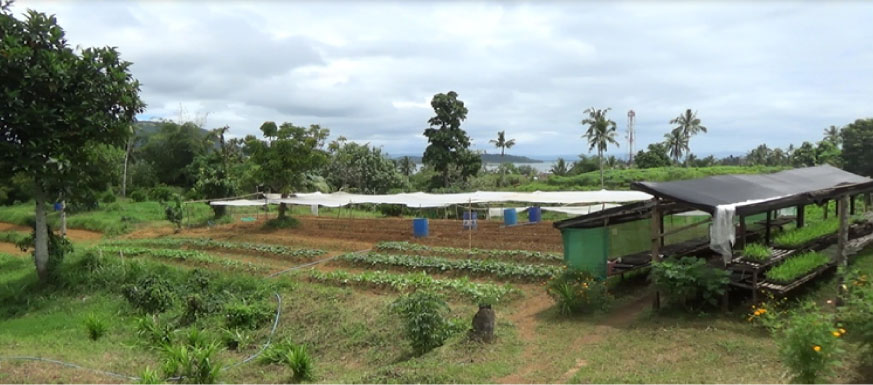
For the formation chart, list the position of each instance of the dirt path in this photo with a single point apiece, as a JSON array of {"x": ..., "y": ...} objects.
[
  {"x": 76, "y": 235},
  {"x": 526, "y": 322}
]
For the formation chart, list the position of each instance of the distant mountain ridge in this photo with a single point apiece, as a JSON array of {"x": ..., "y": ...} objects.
[{"x": 486, "y": 158}]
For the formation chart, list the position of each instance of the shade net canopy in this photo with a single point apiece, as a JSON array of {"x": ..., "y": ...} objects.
[
  {"x": 425, "y": 200},
  {"x": 737, "y": 190}
]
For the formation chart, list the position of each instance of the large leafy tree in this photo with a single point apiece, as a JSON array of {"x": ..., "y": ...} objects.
[
  {"x": 448, "y": 149},
  {"x": 688, "y": 125},
  {"x": 287, "y": 155},
  {"x": 600, "y": 134},
  {"x": 804, "y": 156},
  {"x": 654, "y": 156},
  {"x": 58, "y": 103},
  {"x": 360, "y": 168},
  {"x": 173, "y": 149},
  {"x": 857, "y": 141},
  {"x": 503, "y": 145},
  {"x": 213, "y": 171}
]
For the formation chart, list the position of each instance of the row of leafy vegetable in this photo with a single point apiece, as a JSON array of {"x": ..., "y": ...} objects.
[
  {"x": 475, "y": 291},
  {"x": 183, "y": 255},
  {"x": 796, "y": 267},
  {"x": 206, "y": 243},
  {"x": 471, "y": 266},
  {"x": 474, "y": 252}
]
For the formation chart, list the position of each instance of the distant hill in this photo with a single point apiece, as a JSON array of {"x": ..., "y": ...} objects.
[
  {"x": 148, "y": 128},
  {"x": 489, "y": 158}
]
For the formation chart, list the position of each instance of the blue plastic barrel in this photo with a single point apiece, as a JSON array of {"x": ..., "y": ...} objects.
[
  {"x": 419, "y": 227},
  {"x": 58, "y": 206},
  {"x": 471, "y": 221},
  {"x": 534, "y": 214},
  {"x": 509, "y": 217}
]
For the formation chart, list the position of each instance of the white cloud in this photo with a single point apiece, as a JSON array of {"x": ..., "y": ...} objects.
[{"x": 757, "y": 72}]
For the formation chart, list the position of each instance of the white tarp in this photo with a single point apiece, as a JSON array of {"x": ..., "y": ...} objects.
[
  {"x": 497, "y": 212},
  {"x": 579, "y": 210},
  {"x": 239, "y": 202},
  {"x": 423, "y": 200}
]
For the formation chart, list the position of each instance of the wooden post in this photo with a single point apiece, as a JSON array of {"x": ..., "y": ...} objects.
[
  {"x": 842, "y": 241},
  {"x": 767, "y": 229},
  {"x": 470, "y": 223},
  {"x": 825, "y": 212},
  {"x": 852, "y": 205},
  {"x": 742, "y": 238},
  {"x": 656, "y": 246},
  {"x": 801, "y": 211},
  {"x": 661, "y": 228}
]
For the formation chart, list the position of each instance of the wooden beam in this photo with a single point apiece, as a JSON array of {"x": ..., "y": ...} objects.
[
  {"x": 842, "y": 240},
  {"x": 656, "y": 246},
  {"x": 683, "y": 228},
  {"x": 801, "y": 211}
]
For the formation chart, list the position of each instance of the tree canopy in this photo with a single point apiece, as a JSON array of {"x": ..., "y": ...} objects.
[
  {"x": 857, "y": 140},
  {"x": 448, "y": 150}
]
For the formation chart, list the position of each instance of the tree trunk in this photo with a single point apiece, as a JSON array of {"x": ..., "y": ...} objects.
[
  {"x": 40, "y": 253},
  {"x": 502, "y": 170},
  {"x": 282, "y": 207},
  {"x": 124, "y": 173},
  {"x": 63, "y": 217},
  {"x": 600, "y": 156}
]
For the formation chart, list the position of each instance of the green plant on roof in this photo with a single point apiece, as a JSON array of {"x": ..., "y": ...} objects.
[
  {"x": 798, "y": 237},
  {"x": 797, "y": 267},
  {"x": 756, "y": 252}
]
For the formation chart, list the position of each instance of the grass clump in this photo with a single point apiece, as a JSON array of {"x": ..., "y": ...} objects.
[
  {"x": 95, "y": 326},
  {"x": 282, "y": 223},
  {"x": 292, "y": 355},
  {"x": 424, "y": 319},
  {"x": 756, "y": 252},
  {"x": 247, "y": 316},
  {"x": 797, "y": 238},
  {"x": 150, "y": 376},
  {"x": 796, "y": 267}
]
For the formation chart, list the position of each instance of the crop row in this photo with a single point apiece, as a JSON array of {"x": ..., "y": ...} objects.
[
  {"x": 184, "y": 255},
  {"x": 799, "y": 237},
  {"x": 475, "y": 291},
  {"x": 797, "y": 267},
  {"x": 214, "y": 244},
  {"x": 473, "y": 266},
  {"x": 481, "y": 253}
]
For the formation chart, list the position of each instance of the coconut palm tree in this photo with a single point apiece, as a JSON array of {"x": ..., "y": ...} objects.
[
  {"x": 601, "y": 132},
  {"x": 688, "y": 125},
  {"x": 560, "y": 167},
  {"x": 502, "y": 144},
  {"x": 676, "y": 143},
  {"x": 832, "y": 134}
]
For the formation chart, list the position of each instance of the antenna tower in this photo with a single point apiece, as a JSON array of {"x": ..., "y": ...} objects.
[{"x": 631, "y": 117}]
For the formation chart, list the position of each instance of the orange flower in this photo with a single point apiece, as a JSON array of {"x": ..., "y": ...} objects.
[
  {"x": 816, "y": 348},
  {"x": 842, "y": 331}
]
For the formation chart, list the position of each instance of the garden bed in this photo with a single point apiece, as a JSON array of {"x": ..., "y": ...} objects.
[
  {"x": 520, "y": 255},
  {"x": 796, "y": 267},
  {"x": 526, "y": 272}
]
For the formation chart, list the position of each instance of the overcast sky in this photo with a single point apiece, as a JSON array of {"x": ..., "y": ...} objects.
[{"x": 756, "y": 72}]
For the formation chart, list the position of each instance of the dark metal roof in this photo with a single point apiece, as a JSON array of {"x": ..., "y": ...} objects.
[
  {"x": 621, "y": 214},
  {"x": 760, "y": 192}
]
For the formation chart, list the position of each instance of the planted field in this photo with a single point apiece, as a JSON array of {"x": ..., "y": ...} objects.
[
  {"x": 521, "y": 255},
  {"x": 191, "y": 256},
  {"x": 478, "y": 292},
  {"x": 797, "y": 267},
  {"x": 504, "y": 270},
  {"x": 206, "y": 243}
]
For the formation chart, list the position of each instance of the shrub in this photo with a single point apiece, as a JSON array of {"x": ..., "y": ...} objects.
[
  {"x": 300, "y": 362},
  {"x": 95, "y": 326},
  {"x": 577, "y": 291},
  {"x": 248, "y": 316},
  {"x": 389, "y": 210},
  {"x": 173, "y": 212},
  {"x": 796, "y": 267},
  {"x": 756, "y": 252},
  {"x": 195, "y": 307},
  {"x": 235, "y": 339},
  {"x": 283, "y": 223},
  {"x": 154, "y": 332},
  {"x": 58, "y": 248},
  {"x": 276, "y": 353},
  {"x": 689, "y": 280},
  {"x": 195, "y": 363},
  {"x": 151, "y": 294},
  {"x": 425, "y": 325},
  {"x": 161, "y": 193},
  {"x": 149, "y": 376},
  {"x": 138, "y": 196},
  {"x": 107, "y": 197},
  {"x": 809, "y": 343}
]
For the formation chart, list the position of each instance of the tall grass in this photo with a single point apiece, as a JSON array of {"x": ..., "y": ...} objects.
[{"x": 796, "y": 267}]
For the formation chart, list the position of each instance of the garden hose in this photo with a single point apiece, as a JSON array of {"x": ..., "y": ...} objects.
[{"x": 133, "y": 378}]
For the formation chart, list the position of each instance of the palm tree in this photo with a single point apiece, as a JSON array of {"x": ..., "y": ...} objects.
[
  {"x": 502, "y": 144},
  {"x": 676, "y": 143},
  {"x": 406, "y": 167},
  {"x": 600, "y": 133},
  {"x": 688, "y": 125},
  {"x": 560, "y": 167},
  {"x": 832, "y": 134}
]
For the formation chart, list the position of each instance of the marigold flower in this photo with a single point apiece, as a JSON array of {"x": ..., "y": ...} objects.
[
  {"x": 842, "y": 331},
  {"x": 763, "y": 311},
  {"x": 816, "y": 348},
  {"x": 836, "y": 334}
]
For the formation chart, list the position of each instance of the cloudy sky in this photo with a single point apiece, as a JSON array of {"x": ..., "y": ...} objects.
[{"x": 773, "y": 72}]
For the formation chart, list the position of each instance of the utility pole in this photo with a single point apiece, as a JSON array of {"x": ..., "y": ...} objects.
[{"x": 631, "y": 117}]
